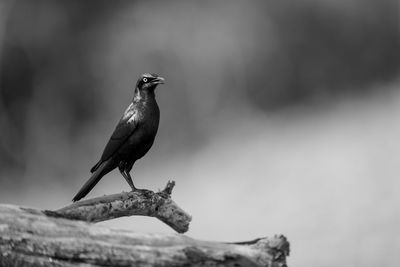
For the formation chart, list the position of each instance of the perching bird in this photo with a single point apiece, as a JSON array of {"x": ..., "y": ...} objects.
[{"x": 133, "y": 136}]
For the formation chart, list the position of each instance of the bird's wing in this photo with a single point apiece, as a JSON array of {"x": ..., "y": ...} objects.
[{"x": 125, "y": 128}]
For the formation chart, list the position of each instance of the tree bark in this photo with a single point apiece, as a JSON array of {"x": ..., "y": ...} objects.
[
  {"x": 141, "y": 202},
  {"x": 30, "y": 237}
]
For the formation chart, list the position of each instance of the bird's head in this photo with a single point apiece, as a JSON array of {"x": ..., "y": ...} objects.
[{"x": 148, "y": 82}]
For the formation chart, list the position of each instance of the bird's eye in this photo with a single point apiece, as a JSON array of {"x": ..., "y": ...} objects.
[{"x": 145, "y": 80}]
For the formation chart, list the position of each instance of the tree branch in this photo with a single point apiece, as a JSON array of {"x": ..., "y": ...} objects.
[
  {"x": 66, "y": 238},
  {"x": 29, "y": 237},
  {"x": 141, "y": 202}
]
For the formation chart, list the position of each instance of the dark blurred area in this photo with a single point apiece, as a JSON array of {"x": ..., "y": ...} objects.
[
  {"x": 234, "y": 70},
  {"x": 267, "y": 54}
]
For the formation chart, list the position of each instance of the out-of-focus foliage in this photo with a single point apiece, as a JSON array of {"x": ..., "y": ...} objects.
[{"x": 67, "y": 66}]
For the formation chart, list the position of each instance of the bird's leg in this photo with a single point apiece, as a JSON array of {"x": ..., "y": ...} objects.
[{"x": 127, "y": 176}]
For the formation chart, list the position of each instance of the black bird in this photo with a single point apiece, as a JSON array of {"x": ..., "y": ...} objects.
[{"x": 133, "y": 136}]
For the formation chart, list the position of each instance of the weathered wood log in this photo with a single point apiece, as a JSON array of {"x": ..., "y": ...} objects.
[
  {"x": 141, "y": 202},
  {"x": 30, "y": 237}
]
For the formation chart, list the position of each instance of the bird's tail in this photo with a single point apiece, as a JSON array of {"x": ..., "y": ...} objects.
[{"x": 102, "y": 170}]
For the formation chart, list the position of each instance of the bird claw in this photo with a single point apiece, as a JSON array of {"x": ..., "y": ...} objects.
[{"x": 134, "y": 189}]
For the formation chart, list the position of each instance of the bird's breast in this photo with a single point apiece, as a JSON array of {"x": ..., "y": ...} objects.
[
  {"x": 146, "y": 118},
  {"x": 149, "y": 118}
]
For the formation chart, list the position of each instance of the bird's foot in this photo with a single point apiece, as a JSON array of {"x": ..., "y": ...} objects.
[
  {"x": 141, "y": 191},
  {"x": 135, "y": 189}
]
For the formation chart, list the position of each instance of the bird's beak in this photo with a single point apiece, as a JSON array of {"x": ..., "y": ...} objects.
[{"x": 159, "y": 80}]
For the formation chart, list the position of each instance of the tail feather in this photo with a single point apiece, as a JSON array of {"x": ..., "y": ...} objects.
[
  {"x": 95, "y": 167},
  {"x": 93, "y": 180}
]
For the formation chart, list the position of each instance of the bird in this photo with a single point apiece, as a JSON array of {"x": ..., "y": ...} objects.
[{"x": 133, "y": 136}]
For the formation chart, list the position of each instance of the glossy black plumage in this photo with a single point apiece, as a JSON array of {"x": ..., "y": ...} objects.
[{"x": 133, "y": 136}]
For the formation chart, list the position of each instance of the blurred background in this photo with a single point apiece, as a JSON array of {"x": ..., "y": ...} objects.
[{"x": 276, "y": 116}]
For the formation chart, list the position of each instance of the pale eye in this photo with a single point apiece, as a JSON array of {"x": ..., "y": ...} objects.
[{"x": 145, "y": 80}]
